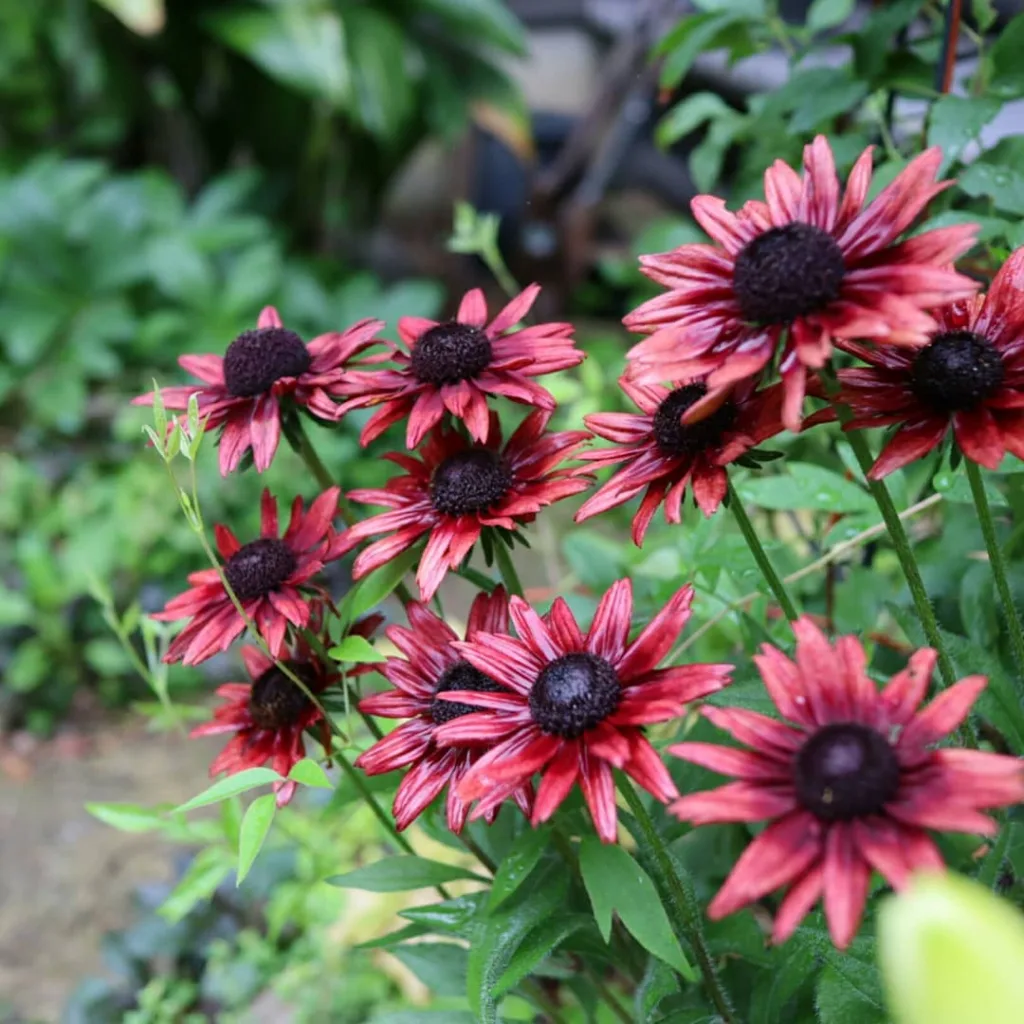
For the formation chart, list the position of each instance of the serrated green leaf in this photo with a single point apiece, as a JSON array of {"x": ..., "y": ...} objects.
[
  {"x": 615, "y": 882},
  {"x": 128, "y": 817},
  {"x": 310, "y": 773},
  {"x": 517, "y": 864},
  {"x": 241, "y": 782},
  {"x": 356, "y": 650},
  {"x": 441, "y": 966},
  {"x": 258, "y": 818},
  {"x": 497, "y": 937},
  {"x": 536, "y": 947},
  {"x": 401, "y": 873},
  {"x": 840, "y": 1002}
]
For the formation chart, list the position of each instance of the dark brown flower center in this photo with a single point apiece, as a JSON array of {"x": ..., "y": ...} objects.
[
  {"x": 957, "y": 370},
  {"x": 451, "y": 352},
  {"x": 846, "y": 771},
  {"x": 461, "y": 676},
  {"x": 469, "y": 482},
  {"x": 573, "y": 694},
  {"x": 256, "y": 359},
  {"x": 275, "y": 702},
  {"x": 787, "y": 273},
  {"x": 258, "y": 567},
  {"x": 676, "y": 438}
]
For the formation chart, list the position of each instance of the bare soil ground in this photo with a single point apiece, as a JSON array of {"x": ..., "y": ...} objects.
[{"x": 65, "y": 878}]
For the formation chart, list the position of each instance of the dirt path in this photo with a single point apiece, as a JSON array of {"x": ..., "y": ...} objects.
[{"x": 66, "y": 878}]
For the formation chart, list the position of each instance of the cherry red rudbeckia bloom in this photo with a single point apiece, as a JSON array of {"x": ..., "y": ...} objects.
[
  {"x": 432, "y": 666},
  {"x": 576, "y": 704},
  {"x": 662, "y": 455},
  {"x": 455, "y": 365},
  {"x": 811, "y": 265},
  {"x": 455, "y": 489},
  {"x": 849, "y": 779},
  {"x": 241, "y": 392},
  {"x": 270, "y": 577},
  {"x": 970, "y": 376},
  {"x": 269, "y": 714}
]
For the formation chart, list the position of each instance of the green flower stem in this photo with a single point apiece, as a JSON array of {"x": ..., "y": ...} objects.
[
  {"x": 379, "y": 813},
  {"x": 894, "y": 525},
  {"x": 998, "y": 564},
  {"x": 778, "y": 588},
  {"x": 905, "y": 553},
  {"x": 682, "y": 905},
  {"x": 508, "y": 570},
  {"x": 477, "y": 850}
]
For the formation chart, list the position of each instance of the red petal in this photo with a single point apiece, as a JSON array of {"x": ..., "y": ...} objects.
[
  {"x": 802, "y": 896},
  {"x": 599, "y": 793},
  {"x": 943, "y": 715},
  {"x": 556, "y": 782},
  {"x": 657, "y": 638},
  {"x": 846, "y": 885},
  {"x": 609, "y": 630},
  {"x": 780, "y": 854}
]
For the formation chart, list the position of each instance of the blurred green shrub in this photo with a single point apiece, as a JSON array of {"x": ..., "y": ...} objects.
[
  {"x": 105, "y": 279},
  {"x": 327, "y": 97}
]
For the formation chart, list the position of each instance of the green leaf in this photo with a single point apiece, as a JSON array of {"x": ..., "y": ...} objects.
[
  {"x": 802, "y": 485},
  {"x": 450, "y": 916},
  {"x": 481, "y": 21},
  {"x": 615, "y": 882},
  {"x": 841, "y": 95},
  {"x": 839, "y": 1002},
  {"x": 245, "y": 780},
  {"x": 210, "y": 867},
  {"x": 372, "y": 589},
  {"x": 984, "y": 14},
  {"x": 495, "y": 940},
  {"x": 956, "y": 121},
  {"x": 691, "y": 37},
  {"x": 516, "y": 865},
  {"x": 127, "y": 817},
  {"x": 538, "y": 945},
  {"x": 1003, "y": 185},
  {"x": 294, "y": 43},
  {"x": 383, "y": 94},
  {"x": 259, "y": 816},
  {"x": 401, "y": 873},
  {"x": 15, "y": 608},
  {"x": 441, "y": 966},
  {"x": 689, "y": 115},
  {"x": 1007, "y": 78},
  {"x": 825, "y": 14},
  {"x": 356, "y": 650},
  {"x": 310, "y": 773}
]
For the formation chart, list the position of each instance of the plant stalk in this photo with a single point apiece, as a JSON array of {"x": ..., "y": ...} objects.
[
  {"x": 507, "y": 569},
  {"x": 997, "y": 562},
  {"x": 894, "y": 525},
  {"x": 778, "y": 588},
  {"x": 683, "y": 906}
]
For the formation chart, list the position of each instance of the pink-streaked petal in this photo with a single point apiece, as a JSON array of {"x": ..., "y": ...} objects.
[{"x": 846, "y": 881}]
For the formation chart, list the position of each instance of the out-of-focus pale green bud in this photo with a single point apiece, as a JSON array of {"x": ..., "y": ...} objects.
[{"x": 951, "y": 952}]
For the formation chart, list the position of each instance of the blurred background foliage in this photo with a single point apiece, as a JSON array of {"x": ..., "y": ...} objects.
[{"x": 167, "y": 168}]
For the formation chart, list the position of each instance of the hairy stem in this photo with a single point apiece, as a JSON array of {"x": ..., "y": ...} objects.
[
  {"x": 998, "y": 564},
  {"x": 682, "y": 904}
]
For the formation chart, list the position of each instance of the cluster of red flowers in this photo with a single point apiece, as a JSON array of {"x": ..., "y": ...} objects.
[{"x": 849, "y": 777}]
